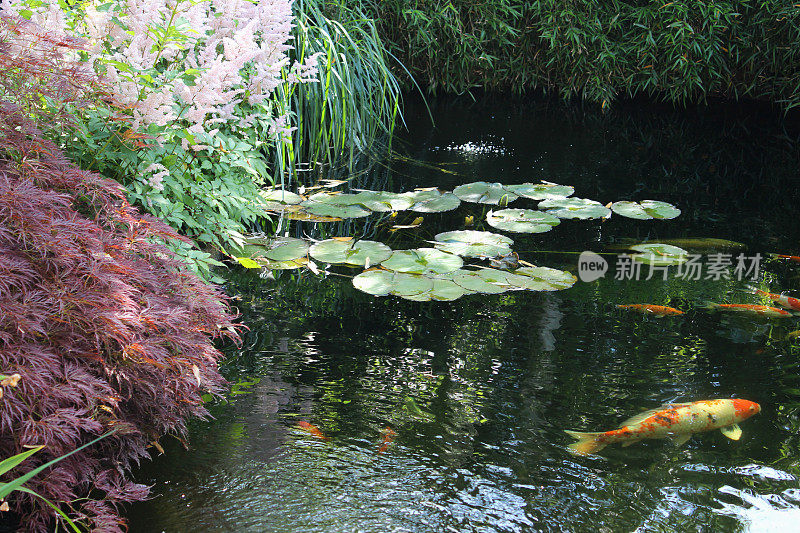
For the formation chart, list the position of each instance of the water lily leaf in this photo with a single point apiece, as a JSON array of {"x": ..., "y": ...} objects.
[
  {"x": 423, "y": 261},
  {"x": 281, "y": 265},
  {"x": 580, "y": 208},
  {"x": 350, "y": 252},
  {"x": 658, "y": 254},
  {"x": 335, "y": 205},
  {"x": 545, "y": 279},
  {"x": 285, "y": 249},
  {"x": 646, "y": 210},
  {"x": 442, "y": 290},
  {"x": 522, "y": 220},
  {"x": 383, "y": 282},
  {"x": 469, "y": 243},
  {"x": 280, "y": 196},
  {"x": 247, "y": 262},
  {"x": 485, "y": 193},
  {"x": 432, "y": 201},
  {"x": 303, "y": 216},
  {"x": 382, "y": 201},
  {"x": 473, "y": 281},
  {"x": 541, "y": 191}
]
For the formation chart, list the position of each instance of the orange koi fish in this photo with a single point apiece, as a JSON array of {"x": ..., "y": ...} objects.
[
  {"x": 794, "y": 258},
  {"x": 781, "y": 299},
  {"x": 678, "y": 421},
  {"x": 649, "y": 309},
  {"x": 388, "y": 436},
  {"x": 312, "y": 429},
  {"x": 763, "y": 310}
]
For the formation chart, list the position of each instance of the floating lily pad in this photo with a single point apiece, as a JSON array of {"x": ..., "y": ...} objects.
[
  {"x": 469, "y": 243},
  {"x": 357, "y": 253},
  {"x": 382, "y": 201},
  {"x": 432, "y": 201},
  {"x": 545, "y": 279},
  {"x": 473, "y": 281},
  {"x": 443, "y": 290},
  {"x": 646, "y": 210},
  {"x": 574, "y": 208},
  {"x": 335, "y": 205},
  {"x": 280, "y": 196},
  {"x": 303, "y": 216},
  {"x": 279, "y": 249},
  {"x": 485, "y": 193},
  {"x": 658, "y": 254},
  {"x": 423, "y": 261},
  {"x": 541, "y": 191},
  {"x": 383, "y": 282},
  {"x": 522, "y": 220}
]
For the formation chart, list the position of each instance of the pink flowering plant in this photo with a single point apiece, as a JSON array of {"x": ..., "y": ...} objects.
[{"x": 195, "y": 79}]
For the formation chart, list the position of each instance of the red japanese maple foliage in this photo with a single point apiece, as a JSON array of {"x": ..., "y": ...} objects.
[{"x": 103, "y": 323}]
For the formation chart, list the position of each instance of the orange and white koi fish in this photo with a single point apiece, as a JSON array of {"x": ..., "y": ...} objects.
[
  {"x": 794, "y": 258},
  {"x": 763, "y": 310},
  {"x": 648, "y": 309},
  {"x": 781, "y": 299},
  {"x": 678, "y": 421},
  {"x": 312, "y": 429},
  {"x": 388, "y": 436}
]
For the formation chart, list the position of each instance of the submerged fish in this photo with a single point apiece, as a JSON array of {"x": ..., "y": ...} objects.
[
  {"x": 794, "y": 258},
  {"x": 763, "y": 310},
  {"x": 649, "y": 309},
  {"x": 692, "y": 243},
  {"x": 312, "y": 429},
  {"x": 388, "y": 436},
  {"x": 677, "y": 421},
  {"x": 785, "y": 301}
]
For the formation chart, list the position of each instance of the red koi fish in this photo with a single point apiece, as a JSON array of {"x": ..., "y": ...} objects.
[
  {"x": 388, "y": 436},
  {"x": 763, "y": 310},
  {"x": 649, "y": 309},
  {"x": 312, "y": 429},
  {"x": 781, "y": 299},
  {"x": 678, "y": 421}
]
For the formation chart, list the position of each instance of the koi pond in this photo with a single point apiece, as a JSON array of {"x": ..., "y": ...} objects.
[{"x": 445, "y": 408}]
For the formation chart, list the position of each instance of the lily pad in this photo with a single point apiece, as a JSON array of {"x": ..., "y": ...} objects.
[
  {"x": 383, "y": 282},
  {"x": 382, "y": 201},
  {"x": 658, "y": 254},
  {"x": 580, "y": 208},
  {"x": 473, "y": 281},
  {"x": 280, "y": 248},
  {"x": 280, "y": 196},
  {"x": 432, "y": 201},
  {"x": 469, "y": 243},
  {"x": 335, "y": 205},
  {"x": 357, "y": 253},
  {"x": 423, "y": 261},
  {"x": 646, "y": 210},
  {"x": 485, "y": 193},
  {"x": 545, "y": 279},
  {"x": 522, "y": 220},
  {"x": 541, "y": 191},
  {"x": 443, "y": 290}
]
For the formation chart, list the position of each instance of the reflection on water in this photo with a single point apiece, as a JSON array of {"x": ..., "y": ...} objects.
[{"x": 479, "y": 391}]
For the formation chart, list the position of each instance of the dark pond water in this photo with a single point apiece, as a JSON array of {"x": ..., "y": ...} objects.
[{"x": 478, "y": 391}]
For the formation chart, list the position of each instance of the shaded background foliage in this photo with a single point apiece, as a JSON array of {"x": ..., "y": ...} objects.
[
  {"x": 102, "y": 321},
  {"x": 679, "y": 51}
]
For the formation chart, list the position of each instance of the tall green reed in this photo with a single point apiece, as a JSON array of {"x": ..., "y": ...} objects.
[{"x": 357, "y": 99}]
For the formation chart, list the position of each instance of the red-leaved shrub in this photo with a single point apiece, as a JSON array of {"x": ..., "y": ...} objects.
[{"x": 103, "y": 323}]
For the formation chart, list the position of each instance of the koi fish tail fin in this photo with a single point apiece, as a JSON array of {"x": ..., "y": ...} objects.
[
  {"x": 588, "y": 443},
  {"x": 752, "y": 289}
]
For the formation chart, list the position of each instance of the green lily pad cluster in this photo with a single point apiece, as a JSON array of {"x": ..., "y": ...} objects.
[
  {"x": 579, "y": 208},
  {"x": 350, "y": 252},
  {"x": 453, "y": 285},
  {"x": 280, "y": 253}
]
